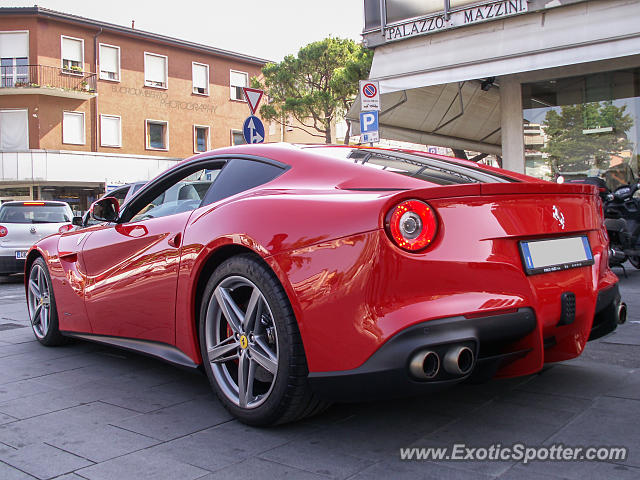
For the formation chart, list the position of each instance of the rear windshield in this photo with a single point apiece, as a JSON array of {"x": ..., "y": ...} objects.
[
  {"x": 440, "y": 172},
  {"x": 34, "y": 214}
]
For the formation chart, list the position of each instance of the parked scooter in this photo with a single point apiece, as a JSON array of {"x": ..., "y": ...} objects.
[{"x": 622, "y": 221}]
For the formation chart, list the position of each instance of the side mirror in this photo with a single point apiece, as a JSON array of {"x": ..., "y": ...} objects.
[
  {"x": 105, "y": 210},
  {"x": 77, "y": 221}
]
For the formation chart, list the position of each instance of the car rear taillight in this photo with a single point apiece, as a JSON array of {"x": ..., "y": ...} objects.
[
  {"x": 3, "y": 231},
  {"x": 412, "y": 225},
  {"x": 65, "y": 228},
  {"x": 33, "y": 203}
]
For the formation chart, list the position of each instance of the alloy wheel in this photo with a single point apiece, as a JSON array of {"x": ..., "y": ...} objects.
[
  {"x": 242, "y": 342},
  {"x": 39, "y": 301}
]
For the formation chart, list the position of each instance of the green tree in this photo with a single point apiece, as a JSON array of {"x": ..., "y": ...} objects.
[
  {"x": 575, "y": 150},
  {"x": 317, "y": 86}
]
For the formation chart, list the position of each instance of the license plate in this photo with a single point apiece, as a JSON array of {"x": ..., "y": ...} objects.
[
  {"x": 544, "y": 256},
  {"x": 21, "y": 254}
]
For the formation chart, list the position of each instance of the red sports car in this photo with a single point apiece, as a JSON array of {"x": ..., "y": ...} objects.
[{"x": 299, "y": 275}]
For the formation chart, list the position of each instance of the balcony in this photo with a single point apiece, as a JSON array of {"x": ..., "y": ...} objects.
[{"x": 47, "y": 80}]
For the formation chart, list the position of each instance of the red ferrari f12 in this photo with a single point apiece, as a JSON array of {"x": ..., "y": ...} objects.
[{"x": 300, "y": 275}]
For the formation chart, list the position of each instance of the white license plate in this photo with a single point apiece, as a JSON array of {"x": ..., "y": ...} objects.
[
  {"x": 543, "y": 256},
  {"x": 21, "y": 254}
]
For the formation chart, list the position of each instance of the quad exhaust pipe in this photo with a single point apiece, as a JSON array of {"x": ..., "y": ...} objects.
[
  {"x": 425, "y": 365},
  {"x": 457, "y": 361}
]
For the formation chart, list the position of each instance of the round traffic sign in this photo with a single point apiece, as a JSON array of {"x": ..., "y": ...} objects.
[
  {"x": 369, "y": 90},
  {"x": 253, "y": 130}
]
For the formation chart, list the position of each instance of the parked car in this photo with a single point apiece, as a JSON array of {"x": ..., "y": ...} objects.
[
  {"x": 305, "y": 276},
  {"x": 24, "y": 223}
]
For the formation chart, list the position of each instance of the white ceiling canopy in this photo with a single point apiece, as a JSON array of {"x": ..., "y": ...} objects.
[{"x": 457, "y": 115}]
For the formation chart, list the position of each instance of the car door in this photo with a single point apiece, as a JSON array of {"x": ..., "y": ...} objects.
[{"x": 132, "y": 265}]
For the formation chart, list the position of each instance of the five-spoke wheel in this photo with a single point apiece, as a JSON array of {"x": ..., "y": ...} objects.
[
  {"x": 41, "y": 305},
  {"x": 242, "y": 342},
  {"x": 39, "y": 301},
  {"x": 251, "y": 346}
]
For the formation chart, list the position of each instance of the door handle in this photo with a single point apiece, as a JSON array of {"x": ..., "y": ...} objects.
[{"x": 175, "y": 240}]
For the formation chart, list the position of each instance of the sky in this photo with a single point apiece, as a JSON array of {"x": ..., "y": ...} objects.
[{"x": 266, "y": 29}]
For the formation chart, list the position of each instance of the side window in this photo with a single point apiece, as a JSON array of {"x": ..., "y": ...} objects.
[
  {"x": 240, "y": 175},
  {"x": 182, "y": 195},
  {"x": 120, "y": 194}
]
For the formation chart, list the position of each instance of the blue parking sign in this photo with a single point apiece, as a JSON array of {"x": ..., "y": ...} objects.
[{"x": 368, "y": 122}]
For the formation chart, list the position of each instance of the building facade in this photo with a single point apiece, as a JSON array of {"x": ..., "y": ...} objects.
[
  {"x": 85, "y": 105},
  {"x": 548, "y": 87}
]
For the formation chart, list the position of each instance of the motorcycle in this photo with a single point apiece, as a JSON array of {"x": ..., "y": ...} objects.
[{"x": 622, "y": 220}]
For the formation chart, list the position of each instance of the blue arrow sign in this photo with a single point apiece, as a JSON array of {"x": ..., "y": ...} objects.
[
  {"x": 368, "y": 122},
  {"x": 253, "y": 130}
]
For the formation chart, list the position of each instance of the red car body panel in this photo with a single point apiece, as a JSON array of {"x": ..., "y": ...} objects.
[{"x": 320, "y": 227}]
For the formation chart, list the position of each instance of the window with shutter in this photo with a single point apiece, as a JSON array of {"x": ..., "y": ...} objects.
[
  {"x": 109, "y": 62},
  {"x": 155, "y": 70},
  {"x": 73, "y": 128},
  {"x": 238, "y": 80},
  {"x": 14, "y": 130},
  {"x": 72, "y": 54},
  {"x": 110, "y": 131},
  {"x": 200, "y": 73}
]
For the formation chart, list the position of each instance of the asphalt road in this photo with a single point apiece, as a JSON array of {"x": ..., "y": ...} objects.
[{"x": 86, "y": 411}]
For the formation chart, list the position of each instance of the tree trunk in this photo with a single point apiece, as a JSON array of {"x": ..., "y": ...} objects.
[
  {"x": 347, "y": 135},
  {"x": 327, "y": 134}
]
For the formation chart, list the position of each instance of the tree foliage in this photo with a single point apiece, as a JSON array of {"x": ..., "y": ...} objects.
[
  {"x": 575, "y": 150},
  {"x": 315, "y": 87}
]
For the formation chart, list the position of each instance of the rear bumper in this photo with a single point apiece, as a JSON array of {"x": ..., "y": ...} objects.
[
  {"x": 496, "y": 341},
  {"x": 386, "y": 372},
  {"x": 9, "y": 264}
]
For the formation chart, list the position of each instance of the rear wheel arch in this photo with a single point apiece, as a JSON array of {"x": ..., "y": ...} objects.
[
  {"x": 214, "y": 260},
  {"x": 31, "y": 257}
]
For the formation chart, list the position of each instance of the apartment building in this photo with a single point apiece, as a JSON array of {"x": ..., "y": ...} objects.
[{"x": 86, "y": 105}]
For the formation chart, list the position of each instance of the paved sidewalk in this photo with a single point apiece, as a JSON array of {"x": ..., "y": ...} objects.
[{"x": 86, "y": 411}]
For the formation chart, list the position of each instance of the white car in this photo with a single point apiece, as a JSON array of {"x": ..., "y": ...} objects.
[{"x": 24, "y": 223}]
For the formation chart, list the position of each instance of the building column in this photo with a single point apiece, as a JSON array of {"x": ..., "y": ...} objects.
[{"x": 511, "y": 124}]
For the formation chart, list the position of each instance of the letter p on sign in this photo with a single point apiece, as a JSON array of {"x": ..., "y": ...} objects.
[{"x": 368, "y": 122}]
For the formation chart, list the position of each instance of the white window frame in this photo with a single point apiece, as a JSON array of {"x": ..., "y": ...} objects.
[
  {"x": 102, "y": 144},
  {"x": 195, "y": 138},
  {"x": 84, "y": 127},
  {"x": 232, "y": 87},
  {"x": 166, "y": 70},
  {"x": 146, "y": 134},
  {"x": 100, "y": 64},
  {"x": 193, "y": 87},
  {"x": 68, "y": 71},
  {"x": 26, "y": 113}
]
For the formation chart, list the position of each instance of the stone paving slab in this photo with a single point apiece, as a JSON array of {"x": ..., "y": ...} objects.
[{"x": 84, "y": 411}]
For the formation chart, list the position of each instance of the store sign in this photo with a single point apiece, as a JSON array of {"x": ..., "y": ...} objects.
[{"x": 468, "y": 16}]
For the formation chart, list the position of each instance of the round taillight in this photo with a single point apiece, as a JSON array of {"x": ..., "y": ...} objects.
[
  {"x": 412, "y": 225},
  {"x": 65, "y": 228},
  {"x": 3, "y": 231}
]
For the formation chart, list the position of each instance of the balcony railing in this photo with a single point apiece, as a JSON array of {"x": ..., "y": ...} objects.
[{"x": 45, "y": 76}]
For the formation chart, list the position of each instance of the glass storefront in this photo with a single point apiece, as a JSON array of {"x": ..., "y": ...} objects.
[
  {"x": 583, "y": 126},
  {"x": 78, "y": 198}
]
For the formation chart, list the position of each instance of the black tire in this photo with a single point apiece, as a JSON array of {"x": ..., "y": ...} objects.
[
  {"x": 49, "y": 335},
  {"x": 288, "y": 396},
  {"x": 635, "y": 261}
]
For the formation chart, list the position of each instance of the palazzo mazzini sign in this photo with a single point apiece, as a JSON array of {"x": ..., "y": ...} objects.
[{"x": 435, "y": 23}]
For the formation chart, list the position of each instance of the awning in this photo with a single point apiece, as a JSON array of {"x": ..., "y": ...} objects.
[
  {"x": 459, "y": 115},
  {"x": 430, "y": 84}
]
